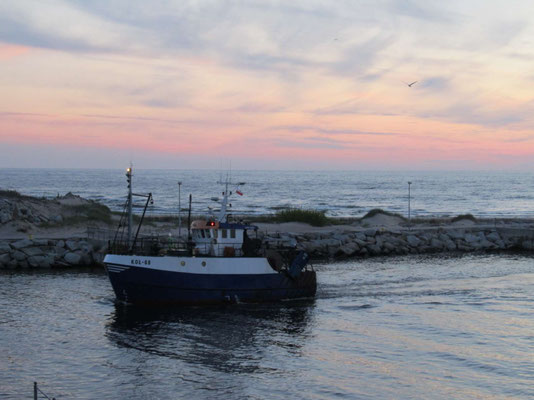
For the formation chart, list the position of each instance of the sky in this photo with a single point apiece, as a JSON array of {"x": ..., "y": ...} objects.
[{"x": 267, "y": 84}]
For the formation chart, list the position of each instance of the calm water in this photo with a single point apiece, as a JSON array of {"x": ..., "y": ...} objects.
[
  {"x": 339, "y": 193},
  {"x": 416, "y": 328}
]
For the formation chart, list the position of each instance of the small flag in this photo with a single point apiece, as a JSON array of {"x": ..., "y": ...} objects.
[{"x": 239, "y": 192}]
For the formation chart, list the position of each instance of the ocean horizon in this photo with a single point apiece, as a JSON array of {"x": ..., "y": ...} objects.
[{"x": 485, "y": 194}]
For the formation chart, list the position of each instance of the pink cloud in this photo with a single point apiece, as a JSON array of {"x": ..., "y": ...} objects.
[{"x": 8, "y": 51}]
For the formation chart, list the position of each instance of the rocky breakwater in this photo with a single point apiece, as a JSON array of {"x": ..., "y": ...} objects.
[
  {"x": 46, "y": 253},
  {"x": 381, "y": 242}
]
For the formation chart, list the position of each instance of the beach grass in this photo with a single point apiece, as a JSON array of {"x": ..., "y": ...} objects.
[
  {"x": 311, "y": 217},
  {"x": 14, "y": 195},
  {"x": 376, "y": 211},
  {"x": 461, "y": 217}
]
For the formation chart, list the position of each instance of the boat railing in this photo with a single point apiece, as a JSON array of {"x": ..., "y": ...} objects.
[
  {"x": 150, "y": 246},
  {"x": 171, "y": 246}
]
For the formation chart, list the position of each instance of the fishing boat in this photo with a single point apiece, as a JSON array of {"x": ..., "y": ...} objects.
[{"x": 222, "y": 261}]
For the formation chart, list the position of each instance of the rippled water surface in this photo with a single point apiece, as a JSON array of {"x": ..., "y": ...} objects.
[
  {"x": 339, "y": 193},
  {"x": 429, "y": 327}
]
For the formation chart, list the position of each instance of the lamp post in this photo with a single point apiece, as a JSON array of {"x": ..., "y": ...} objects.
[
  {"x": 409, "y": 203},
  {"x": 179, "y": 209},
  {"x": 129, "y": 174}
]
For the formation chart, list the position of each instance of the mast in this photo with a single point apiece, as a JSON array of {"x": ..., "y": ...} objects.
[
  {"x": 226, "y": 194},
  {"x": 129, "y": 174}
]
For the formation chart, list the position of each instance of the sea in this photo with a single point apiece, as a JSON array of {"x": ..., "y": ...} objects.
[
  {"x": 404, "y": 327},
  {"x": 494, "y": 194},
  {"x": 418, "y": 327}
]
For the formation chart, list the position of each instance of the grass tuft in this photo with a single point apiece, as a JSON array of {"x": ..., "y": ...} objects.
[
  {"x": 469, "y": 217},
  {"x": 92, "y": 212},
  {"x": 312, "y": 217},
  {"x": 376, "y": 211},
  {"x": 13, "y": 194}
]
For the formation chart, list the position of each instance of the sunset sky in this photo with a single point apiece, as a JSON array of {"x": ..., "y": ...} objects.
[{"x": 267, "y": 84}]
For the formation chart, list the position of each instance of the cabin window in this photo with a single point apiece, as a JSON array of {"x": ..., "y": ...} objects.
[
  {"x": 224, "y": 234},
  {"x": 232, "y": 233},
  {"x": 202, "y": 232},
  {"x": 215, "y": 233}
]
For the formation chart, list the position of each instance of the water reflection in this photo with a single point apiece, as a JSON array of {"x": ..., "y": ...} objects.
[{"x": 231, "y": 339}]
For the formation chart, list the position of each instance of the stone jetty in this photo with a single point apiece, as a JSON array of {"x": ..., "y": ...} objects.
[
  {"x": 47, "y": 253},
  {"x": 382, "y": 242}
]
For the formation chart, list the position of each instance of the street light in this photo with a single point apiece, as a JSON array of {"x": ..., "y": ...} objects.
[
  {"x": 409, "y": 203},
  {"x": 179, "y": 209}
]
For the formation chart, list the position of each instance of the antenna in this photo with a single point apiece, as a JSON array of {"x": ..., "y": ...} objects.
[{"x": 129, "y": 173}]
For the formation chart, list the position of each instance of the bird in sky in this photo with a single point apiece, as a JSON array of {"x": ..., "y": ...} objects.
[{"x": 410, "y": 84}]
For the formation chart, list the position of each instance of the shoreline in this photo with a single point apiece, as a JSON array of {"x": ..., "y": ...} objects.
[
  {"x": 324, "y": 244},
  {"x": 70, "y": 231}
]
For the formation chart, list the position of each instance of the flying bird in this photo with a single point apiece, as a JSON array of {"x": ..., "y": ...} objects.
[{"x": 410, "y": 84}]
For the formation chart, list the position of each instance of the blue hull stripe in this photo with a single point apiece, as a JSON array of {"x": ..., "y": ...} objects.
[{"x": 143, "y": 285}]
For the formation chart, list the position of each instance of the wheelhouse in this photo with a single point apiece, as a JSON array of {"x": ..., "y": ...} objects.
[{"x": 222, "y": 239}]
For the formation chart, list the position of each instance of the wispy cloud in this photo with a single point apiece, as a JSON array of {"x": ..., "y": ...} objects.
[
  {"x": 325, "y": 131},
  {"x": 422, "y": 10},
  {"x": 269, "y": 78}
]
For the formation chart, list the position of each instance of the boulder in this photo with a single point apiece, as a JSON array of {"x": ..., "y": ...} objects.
[
  {"x": 32, "y": 251},
  {"x": 370, "y": 240},
  {"x": 436, "y": 244},
  {"x": 463, "y": 246},
  {"x": 370, "y": 232},
  {"x": 471, "y": 239},
  {"x": 456, "y": 234},
  {"x": 331, "y": 242},
  {"x": 36, "y": 261},
  {"x": 361, "y": 236},
  {"x": 360, "y": 242},
  {"x": 5, "y": 217},
  {"x": 87, "y": 248},
  {"x": 500, "y": 244},
  {"x": 4, "y": 259},
  {"x": 72, "y": 245},
  {"x": 403, "y": 250},
  {"x": 390, "y": 247},
  {"x": 72, "y": 258},
  {"x": 347, "y": 250},
  {"x": 450, "y": 245},
  {"x": 20, "y": 244},
  {"x": 413, "y": 240},
  {"x": 18, "y": 255},
  {"x": 4, "y": 247},
  {"x": 49, "y": 261},
  {"x": 374, "y": 249},
  {"x": 310, "y": 236},
  {"x": 444, "y": 237},
  {"x": 338, "y": 236},
  {"x": 493, "y": 236},
  {"x": 426, "y": 237},
  {"x": 59, "y": 251}
]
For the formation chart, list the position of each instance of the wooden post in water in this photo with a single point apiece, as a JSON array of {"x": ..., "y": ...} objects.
[{"x": 34, "y": 390}]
